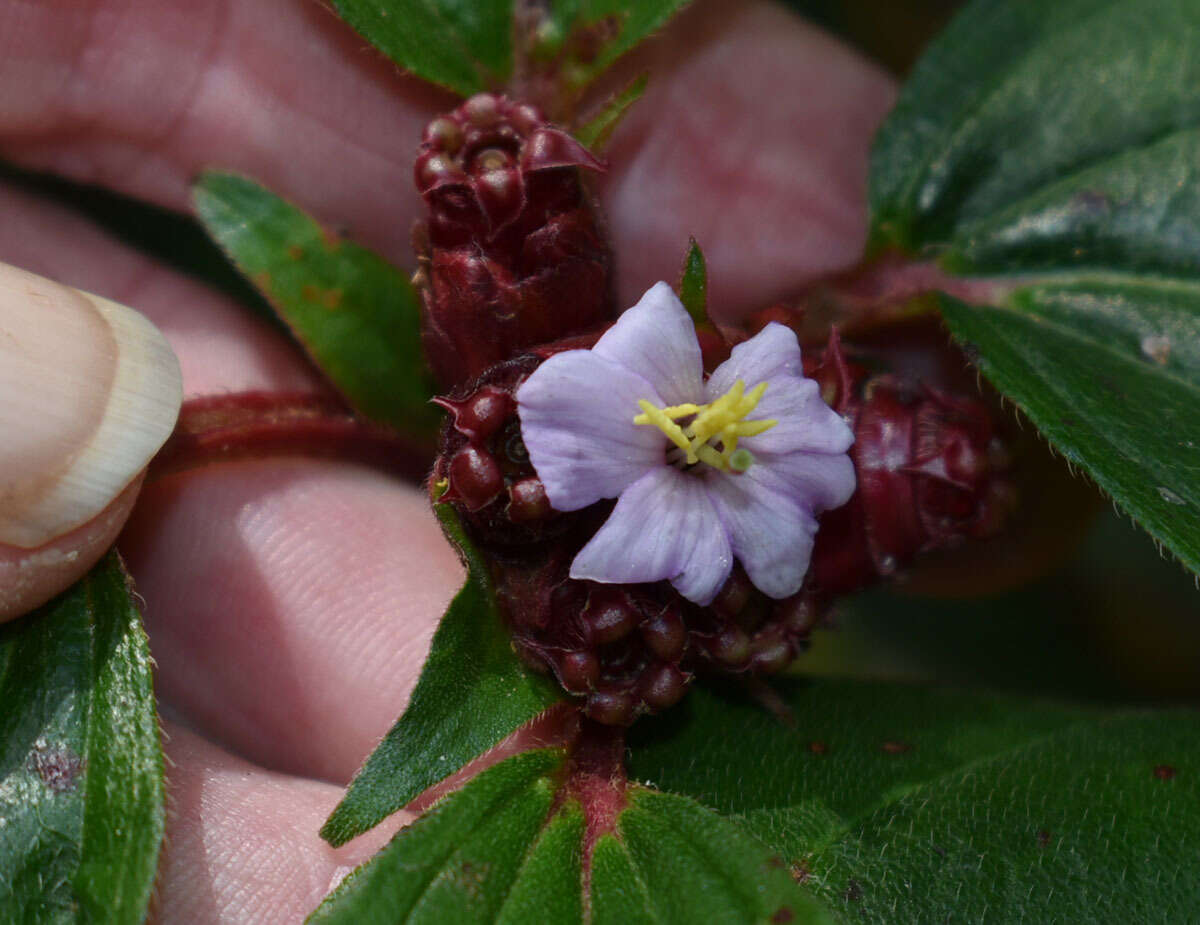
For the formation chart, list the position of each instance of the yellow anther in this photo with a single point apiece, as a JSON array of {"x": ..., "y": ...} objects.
[
  {"x": 753, "y": 428},
  {"x": 658, "y": 417},
  {"x": 681, "y": 411},
  {"x": 722, "y": 421}
]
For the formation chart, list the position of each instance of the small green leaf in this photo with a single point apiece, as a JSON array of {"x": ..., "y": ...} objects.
[
  {"x": 907, "y": 804},
  {"x": 611, "y": 28},
  {"x": 693, "y": 283},
  {"x": 355, "y": 314},
  {"x": 484, "y": 854},
  {"x": 464, "y": 45},
  {"x": 81, "y": 767},
  {"x": 596, "y": 132},
  {"x": 1080, "y": 187},
  {"x": 672, "y": 860},
  {"x": 472, "y": 693},
  {"x": 549, "y": 886}
]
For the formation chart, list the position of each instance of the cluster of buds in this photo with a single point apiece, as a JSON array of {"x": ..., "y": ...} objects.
[
  {"x": 932, "y": 472},
  {"x": 514, "y": 271},
  {"x": 511, "y": 254},
  {"x": 625, "y": 650}
]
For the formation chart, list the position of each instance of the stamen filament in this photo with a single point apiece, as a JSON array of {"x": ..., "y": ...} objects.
[{"x": 720, "y": 421}]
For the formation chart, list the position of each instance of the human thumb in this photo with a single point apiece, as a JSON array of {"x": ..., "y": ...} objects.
[{"x": 89, "y": 391}]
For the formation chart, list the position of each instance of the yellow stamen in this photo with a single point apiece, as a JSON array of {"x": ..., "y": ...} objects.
[
  {"x": 719, "y": 422},
  {"x": 658, "y": 417}
]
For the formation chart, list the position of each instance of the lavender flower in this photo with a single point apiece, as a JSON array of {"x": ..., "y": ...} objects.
[{"x": 699, "y": 481}]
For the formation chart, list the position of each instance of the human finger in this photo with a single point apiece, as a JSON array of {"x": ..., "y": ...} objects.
[
  {"x": 242, "y": 843},
  {"x": 221, "y": 346},
  {"x": 89, "y": 390},
  {"x": 752, "y": 136}
]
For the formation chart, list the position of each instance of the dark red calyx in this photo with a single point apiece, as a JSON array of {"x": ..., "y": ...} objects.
[
  {"x": 474, "y": 477},
  {"x": 485, "y": 465},
  {"x": 622, "y": 650},
  {"x": 511, "y": 254},
  {"x": 629, "y": 650},
  {"x": 481, "y": 414}
]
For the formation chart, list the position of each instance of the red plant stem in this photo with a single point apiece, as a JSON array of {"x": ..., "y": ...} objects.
[
  {"x": 879, "y": 292},
  {"x": 895, "y": 278},
  {"x": 596, "y": 778},
  {"x": 259, "y": 425}
]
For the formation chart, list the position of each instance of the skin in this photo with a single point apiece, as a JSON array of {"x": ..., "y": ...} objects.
[{"x": 290, "y": 603}]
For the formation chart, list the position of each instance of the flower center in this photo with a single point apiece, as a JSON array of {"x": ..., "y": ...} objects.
[{"x": 710, "y": 433}]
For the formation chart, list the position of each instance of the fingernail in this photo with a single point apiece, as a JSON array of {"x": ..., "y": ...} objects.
[{"x": 89, "y": 390}]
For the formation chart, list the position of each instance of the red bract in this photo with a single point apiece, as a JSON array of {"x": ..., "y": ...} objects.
[
  {"x": 932, "y": 472},
  {"x": 511, "y": 254}
]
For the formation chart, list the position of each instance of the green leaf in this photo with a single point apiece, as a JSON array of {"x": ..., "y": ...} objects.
[
  {"x": 472, "y": 693},
  {"x": 595, "y": 133},
  {"x": 693, "y": 283},
  {"x": 464, "y": 45},
  {"x": 806, "y": 785},
  {"x": 1069, "y": 356},
  {"x": 1102, "y": 819},
  {"x": 907, "y": 804},
  {"x": 672, "y": 860},
  {"x": 992, "y": 113},
  {"x": 504, "y": 850},
  {"x": 483, "y": 854},
  {"x": 1079, "y": 186},
  {"x": 355, "y": 313},
  {"x": 81, "y": 768}
]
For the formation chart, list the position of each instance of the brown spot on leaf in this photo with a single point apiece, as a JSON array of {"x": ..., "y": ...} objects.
[
  {"x": 330, "y": 298},
  {"x": 896, "y": 747},
  {"x": 775, "y": 862},
  {"x": 58, "y": 767},
  {"x": 470, "y": 878},
  {"x": 1043, "y": 838},
  {"x": 262, "y": 280},
  {"x": 295, "y": 251},
  {"x": 1164, "y": 771},
  {"x": 853, "y": 892},
  {"x": 818, "y": 748},
  {"x": 799, "y": 870},
  {"x": 782, "y": 915},
  {"x": 331, "y": 240}
]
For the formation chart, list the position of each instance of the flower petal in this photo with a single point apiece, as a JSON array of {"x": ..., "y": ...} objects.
[
  {"x": 657, "y": 340},
  {"x": 770, "y": 529},
  {"x": 577, "y": 412},
  {"x": 805, "y": 422},
  {"x": 664, "y": 526},
  {"x": 772, "y": 352},
  {"x": 822, "y": 481}
]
